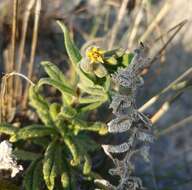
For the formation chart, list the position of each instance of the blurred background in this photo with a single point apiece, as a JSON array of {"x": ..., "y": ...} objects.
[{"x": 29, "y": 34}]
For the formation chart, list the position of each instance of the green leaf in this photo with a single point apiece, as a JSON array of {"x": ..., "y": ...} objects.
[
  {"x": 127, "y": 58},
  {"x": 69, "y": 142},
  {"x": 62, "y": 168},
  {"x": 73, "y": 149},
  {"x": 67, "y": 112},
  {"x": 54, "y": 72},
  {"x": 41, "y": 105},
  {"x": 90, "y": 99},
  {"x": 25, "y": 155},
  {"x": 114, "y": 52},
  {"x": 85, "y": 78},
  {"x": 54, "y": 110},
  {"x": 90, "y": 107},
  {"x": 60, "y": 125},
  {"x": 58, "y": 85},
  {"x": 107, "y": 83},
  {"x": 33, "y": 176},
  {"x": 7, "y": 129},
  {"x": 86, "y": 143},
  {"x": 65, "y": 181},
  {"x": 72, "y": 50},
  {"x": 111, "y": 60},
  {"x": 95, "y": 90},
  {"x": 98, "y": 127},
  {"x": 32, "y": 131},
  {"x": 43, "y": 142},
  {"x": 87, "y": 165},
  {"x": 99, "y": 70},
  {"x": 49, "y": 165}
]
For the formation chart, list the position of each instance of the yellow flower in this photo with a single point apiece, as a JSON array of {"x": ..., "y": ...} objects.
[
  {"x": 93, "y": 62},
  {"x": 95, "y": 55}
]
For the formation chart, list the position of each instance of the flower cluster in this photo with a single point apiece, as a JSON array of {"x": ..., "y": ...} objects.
[
  {"x": 128, "y": 119},
  {"x": 8, "y": 160}
]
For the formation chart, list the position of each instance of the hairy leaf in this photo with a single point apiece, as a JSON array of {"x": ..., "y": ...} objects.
[
  {"x": 33, "y": 175},
  {"x": 54, "y": 72},
  {"x": 73, "y": 149},
  {"x": 41, "y": 106},
  {"x": 58, "y": 85},
  {"x": 32, "y": 131},
  {"x": 72, "y": 50},
  {"x": 49, "y": 165},
  {"x": 7, "y": 129}
]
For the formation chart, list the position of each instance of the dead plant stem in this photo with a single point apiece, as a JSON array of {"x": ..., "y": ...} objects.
[{"x": 33, "y": 49}]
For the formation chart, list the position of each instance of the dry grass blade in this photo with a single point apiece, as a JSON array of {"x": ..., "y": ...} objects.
[
  {"x": 33, "y": 49},
  {"x": 4, "y": 113},
  {"x": 22, "y": 43},
  {"x": 176, "y": 126},
  {"x": 20, "y": 75},
  {"x": 166, "y": 105},
  {"x": 2, "y": 100},
  {"x": 14, "y": 31},
  {"x": 169, "y": 87},
  {"x": 177, "y": 28},
  {"x": 117, "y": 24},
  {"x": 164, "y": 108},
  {"x": 136, "y": 25},
  {"x": 12, "y": 52},
  {"x": 164, "y": 10}
]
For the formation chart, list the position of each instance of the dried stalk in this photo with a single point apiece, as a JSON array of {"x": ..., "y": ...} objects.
[
  {"x": 12, "y": 53},
  {"x": 135, "y": 27},
  {"x": 178, "y": 27},
  {"x": 3, "y": 100},
  {"x": 22, "y": 44},
  {"x": 175, "y": 126},
  {"x": 128, "y": 119},
  {"x": 20, "y": 75},
  {"x": 169, "y": 87},
  {"x": 33, "y": 49},
  {"x": 117, "y": 24},
  {"x": 164, "y": 10},
  {"x": 166, "y": 105}
]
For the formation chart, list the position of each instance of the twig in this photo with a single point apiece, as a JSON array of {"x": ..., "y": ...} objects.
[
  {"x": 33, "y": 49},
  {"x": 116, "y": 26}
]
